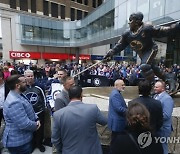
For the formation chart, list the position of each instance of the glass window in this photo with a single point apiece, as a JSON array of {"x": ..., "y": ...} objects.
[
  {"x": 79, "y": 14},
  {"x": 109, "y": 19},
  {"x": 89, "y": 30},
  {"x": 102, "y": 23},
  {"x": 131, "y": 7},
  {"x": 78, "y": 34},
  {"x": 79, "y": 1},
  {"x": 121, "y": 20},
  {"x": 96, "y": 26},
  {"x": 99, "y": 2},
  {"x": 33, "y": 6},
  {"x": 27, "y": 32},
  {"x": 143, "y": 6},
  {"x": 37, "y": 33},
  {"x": 94, "y": 3},
  {"x": 46, "y": 8},
  {"x": 62, "y": 12},
  {"x": 13, "y": 4},
  {"x": 72, "y": 14},
  {"x": 85, "y": 14},
  {"x": 54, "y": 10},
  {"x": 23, "y": 5},
  {"x": 156, "y": 9},
  {"x": 66, "y": 34},
  {"x": 172, "y": 6},
  {"x": 83, "y": 32},
  {"x": 59, "y": 35},
  {"x": 45, "y": 34},
  {"x": 53, "y": 34},
  {"x": 85, "y": 2},
  {"x": 0, "y": 28}
]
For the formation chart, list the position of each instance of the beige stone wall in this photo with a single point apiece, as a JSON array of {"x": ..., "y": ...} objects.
[
  {"x": 4, "y": 1},
  {"x": 39, "y": 5},
  {"x": 175, "y": 147}
]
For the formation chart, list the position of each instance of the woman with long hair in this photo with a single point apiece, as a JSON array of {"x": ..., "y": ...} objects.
[{"x": 137, "y": 139}]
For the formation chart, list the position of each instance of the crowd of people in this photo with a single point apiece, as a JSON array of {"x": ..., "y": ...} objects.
[
  {"x": 129, "y": 72},
  {"x": 61, "y": 93}
]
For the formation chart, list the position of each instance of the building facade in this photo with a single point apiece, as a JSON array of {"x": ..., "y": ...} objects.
[
  {"x": 61, "y": 9},
  {"x": 65, "y": 30},
  {"x": 51, "y": 10}
]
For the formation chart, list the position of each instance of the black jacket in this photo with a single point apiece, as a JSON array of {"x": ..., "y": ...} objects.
[
  {"x": 123, "y": 144},
  {"x": 155, "y": 109},
  {"x": 36, "y": 97}
]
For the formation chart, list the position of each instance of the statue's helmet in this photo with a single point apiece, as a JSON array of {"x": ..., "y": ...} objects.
[{"x": 136, "y": 17}]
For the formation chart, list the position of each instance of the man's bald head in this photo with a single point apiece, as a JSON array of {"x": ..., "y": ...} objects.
[{"x": 119, "y": 85}]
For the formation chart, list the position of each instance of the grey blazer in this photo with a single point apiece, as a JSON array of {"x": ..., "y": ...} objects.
[
  {"x": 62, "y": 100},
  {"x": 74, "y": 129}
]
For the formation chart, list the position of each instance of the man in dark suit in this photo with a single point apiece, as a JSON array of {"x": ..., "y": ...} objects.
[
  {"x": 154, "y": 106},
  {"x": 62, "y": 99},
  {"x": 117, "y": 109},
  {"x": 74, "y": 129}
]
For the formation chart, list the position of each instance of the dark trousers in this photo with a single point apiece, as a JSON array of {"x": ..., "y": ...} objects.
[
  {"x": 1, "y": 116},
  {"x": 113, "y": 137},
  {"x": 38, "y": 135},
  {"x": 2, "y": 129},
  {"x": 23, "y": 149}
]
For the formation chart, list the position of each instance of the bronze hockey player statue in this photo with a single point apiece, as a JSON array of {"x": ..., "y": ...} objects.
[{"x": 140, "y": 38}]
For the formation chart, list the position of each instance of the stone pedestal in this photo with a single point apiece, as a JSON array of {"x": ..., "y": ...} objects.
[{"x": 175, "y": 146}]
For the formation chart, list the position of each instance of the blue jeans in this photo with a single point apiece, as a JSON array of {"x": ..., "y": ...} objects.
[{"x": 23, "y": 149}]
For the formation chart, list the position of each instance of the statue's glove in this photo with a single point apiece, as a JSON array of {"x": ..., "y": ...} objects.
[{"x": 109, "y": 56}]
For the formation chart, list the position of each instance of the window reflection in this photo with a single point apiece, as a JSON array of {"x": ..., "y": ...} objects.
[
  {"x": 121, "y": 20},
  {"x": 59, "y": 35},
  {"x": 131, "y": 7},
  {"x": 37, "y": 33},
  {"x": 45, "y": 34},
  {"x": 143, "y": 6},
  {"x": 53, "y": 35},
  {"x": 111, "y": 24},
  {"x": 172, "y": 6},
  {"x": 28, "y": 32},
  {"x": 84, "y": 32},
  {"x": 156, "y": 8}
]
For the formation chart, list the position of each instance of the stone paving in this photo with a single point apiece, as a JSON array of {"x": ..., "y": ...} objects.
[{"x": 36, "y": 151}]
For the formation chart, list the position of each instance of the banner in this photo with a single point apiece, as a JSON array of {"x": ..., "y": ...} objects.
[
  {"x": 95, "y": 81},
  {"x": 96, "y": 57}
]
